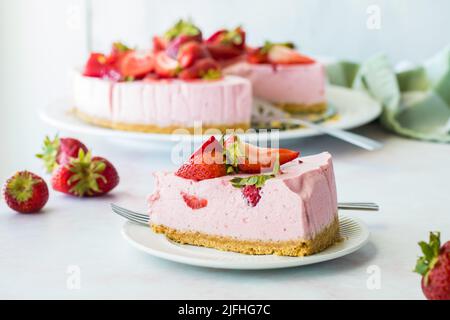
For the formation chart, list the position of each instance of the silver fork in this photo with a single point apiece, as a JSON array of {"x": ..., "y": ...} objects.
[
  {"x": 266, "y": 113},
  {"x": 144, "y": 218}
]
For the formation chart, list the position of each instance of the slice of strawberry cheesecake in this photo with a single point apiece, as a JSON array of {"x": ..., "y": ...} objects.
[
  {"x": 281, "y": 75},
  {"x": 176, "y": 85},
  {"x": 236, "y": 197}
]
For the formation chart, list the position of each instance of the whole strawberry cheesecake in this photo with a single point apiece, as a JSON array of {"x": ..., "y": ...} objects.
[
  {"x": 281, "y": 75},
  {"x": 237, "y": 197},
  {"x": 177, "y": 84}
]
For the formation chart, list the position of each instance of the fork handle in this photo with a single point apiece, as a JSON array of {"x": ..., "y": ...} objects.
[
  {"x": 363, "y": 206},
  {"x": 347, "y": 136}
]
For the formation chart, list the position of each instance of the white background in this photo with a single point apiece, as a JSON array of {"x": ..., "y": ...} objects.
[{"x": 41, "y": 40}]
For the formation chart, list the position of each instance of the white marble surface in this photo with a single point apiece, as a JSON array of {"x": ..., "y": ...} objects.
[{"x": 409, "y": 179}]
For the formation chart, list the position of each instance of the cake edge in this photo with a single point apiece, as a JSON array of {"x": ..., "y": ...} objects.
[
  {"x": 294, "y": 248},
  {"x": 145, "y": 128},
  {"x": 302, "y": 107}
]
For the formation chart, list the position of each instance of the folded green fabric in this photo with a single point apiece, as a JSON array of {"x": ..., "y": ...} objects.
[{"x": 416, "y": 102}]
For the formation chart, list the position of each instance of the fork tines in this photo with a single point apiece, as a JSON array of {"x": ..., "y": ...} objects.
[{"x": 130, "y": 215}]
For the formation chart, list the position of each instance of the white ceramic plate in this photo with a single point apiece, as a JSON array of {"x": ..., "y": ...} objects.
[
  {"x": 355, "y": 234},
  {"x": 355, "y": 109}
]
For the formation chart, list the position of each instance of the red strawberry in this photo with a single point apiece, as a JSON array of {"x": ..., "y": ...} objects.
[
  {"x": 96, "y": 65},
  {"x": 281, "y": 54},
  {"x": 159, "y": 44},
  {"x": 136, "y": 63},
  {"x": 175, "y": 45},
  {"x": 251, "y": 193},
  {"x": 184, "y": 28},
  {"x": 257, "y": 56},
  {"x": 223, "y": 52},
  {"x": 25, "y": 192},
  {"x": 99, "y": 66},
  {"x": 206, "y": 68},
  {"x": 194, "y": 202},
  {"x": 59, "y": 151},
  {"x": 235, "y": 37},
  {"x": 165, "y": 66},
  {"x": 85, "y": 176},
  {"x": 190, "y": 52},
  {"x": 205, "y": 163},
  {"x": 434, "y": 267},
  {"x": 252, "y": 159},
  {"x": 118, "y": 51}
]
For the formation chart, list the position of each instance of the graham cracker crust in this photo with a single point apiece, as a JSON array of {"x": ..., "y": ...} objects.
[
  {"x": 153, "y": 128},
  {"x": 294, "y": 248},
  {"x": 303, "y": 108}
]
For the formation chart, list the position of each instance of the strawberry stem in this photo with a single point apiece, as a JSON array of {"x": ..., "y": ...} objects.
[
  {"x": 430, "y": 255},
  {"x": 49, "y": 153}
]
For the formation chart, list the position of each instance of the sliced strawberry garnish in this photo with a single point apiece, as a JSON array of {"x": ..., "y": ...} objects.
[
  {"x": 96, "y": 65},
  {"x": 137, "y": 63},
  {"x": 159, "y": 44},
  {"x": 206, "y": 68},
  {"x": 252, "y": 159},
  {"x": 107, "y": 66},
  {"x": 217, "y": 36},
  {"x": 99, "y": 66},
  {"x": 256, "y": 56},
  {"x": 175, "y": 45},
  {"x": 118, "y": 51},
  {"x": 205, "y": 163},
  {"x": 165, "y": 66},
  {"x": 235, "y": 37},
  {"x": 191, "y": 51},
  {"x": 194, "y": 202},
  {"x": 223, "y": 52},
  {"x": 226, "y": 44},
  {"x": 280, "y": 54}
]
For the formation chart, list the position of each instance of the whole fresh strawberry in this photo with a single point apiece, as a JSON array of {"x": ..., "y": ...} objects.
[
  {"x": 25, "y": 192},
  {"x": 434, "y": 266},
  {"x": 85, "y": 176},
  {"x": 59, "y": 151}
]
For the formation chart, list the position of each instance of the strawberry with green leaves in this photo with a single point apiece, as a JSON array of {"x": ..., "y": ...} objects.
[
  {"x": 59, "y": 151},
  {"x": 172, "y": 40},
  {"x": 434, "y": 266},
  {"x": 25, "y": 192},
  {"x": 226, "y": 44},
  {"x": 85, "y": 176}
]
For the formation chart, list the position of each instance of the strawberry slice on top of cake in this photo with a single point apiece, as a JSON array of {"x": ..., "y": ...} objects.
[{"x": 234, "y": 196}]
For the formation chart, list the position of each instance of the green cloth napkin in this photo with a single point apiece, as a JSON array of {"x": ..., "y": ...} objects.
[{"x": 416, "y": 102}]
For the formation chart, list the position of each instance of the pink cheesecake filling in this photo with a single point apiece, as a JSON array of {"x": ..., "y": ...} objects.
[
  {"x": 298, "y": 84},
  {"x": 165, "y": 103},
  {"x": 295, "y": 205}
]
